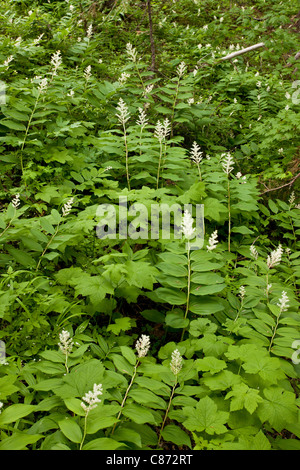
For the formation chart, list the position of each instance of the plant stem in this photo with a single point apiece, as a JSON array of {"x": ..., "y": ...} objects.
[
  {"x": 84, "y": 431},
  {"x": 126, "y": 156},
  {"x": 125, "y": 396},
  {"x": 229, "y": 213},
  {"x": 167, "y": 411},
  {"x": 188, "y": 287},
  {"x": 48, "y": 244},
  {"x": 159, "y": 163}
]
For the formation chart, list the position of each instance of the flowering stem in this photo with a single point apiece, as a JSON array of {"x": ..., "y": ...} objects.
[
  {"x": 199, "y": 170},
  {"x": 126, "y": 393},
  {"x": 26, "y": 133},
  {"x": 126, "y": 155},
  {"x": 47, "y": 246},
  {"x": 167, "y": 411},
  {"x": 159, "y": 163},
  {"x": 188, "y": 286},
  {"x": 84, "y": 430},
  {"x": 274, "y": 332},
  {"x": 229, "y": 213}
]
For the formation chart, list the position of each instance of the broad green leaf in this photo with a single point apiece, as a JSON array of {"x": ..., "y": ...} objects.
[
  {"x": 103, "y": 443},
  {"x": 278, "y": 408},
  {"x": 171, "y": 296},
  {"x": 17, "y": 126},
  {"x": 173, "y": 433},
  {"x": 210, "y": 364},
  {"x": 81, "y": 379},
  {"x": 19, "y": 441},
  {"x": 14, "y": 412},
  {"x": 148, "y": 398},
  {"x": 7, "y": 386},
  {"x": 128, "y": 354},
  {"x": 243, "y": 397},
  {"x": 71, "y": 429},
  {"x": 139, "y": 414},
  {"x": 122, "y": 364},
  {"x": 206, "y": 417}
]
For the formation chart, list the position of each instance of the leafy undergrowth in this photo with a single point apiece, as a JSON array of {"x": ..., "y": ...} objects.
[{"x": 115, "y": 333}]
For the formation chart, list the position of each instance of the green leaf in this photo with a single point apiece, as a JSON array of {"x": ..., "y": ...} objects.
[
  {"x": 103, "y": 443},
  {"x": 128, "y": 354},
  {"x": 125, "y": 434},
  {"x": 175, "y": 319},
  {"x": 171, "y": 296},
  {"x": 14, "y": 412},
  {"x": 173, "y": 433},
  {"x": 206, "y": 417},
  {"x": 210, "y": 364},
  {"x": 148, "y": 398},
  {"x": 139, "y": 414},
  {"x": 81, "y": 379},
  {"x": 71, "y": 429},
  {"x": 13, "y": 125},
  {"x": 205, "y": 305},
  {"x": 22, "y": 257},
  {"x": 7, "y": 386},
  {"x": 19, "y": 441},
  {"x": 121, "y": 324},
  {"x": 243, "y": 397},
  {"x": 122, "y": 364},
  {"x": 278, "y": 408},
  {"x": 104, "y": 416}
]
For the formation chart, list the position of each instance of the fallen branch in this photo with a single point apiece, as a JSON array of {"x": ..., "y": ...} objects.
[
  {"x": 243, "y": 51},
  {"x": 283, "y": 186}
]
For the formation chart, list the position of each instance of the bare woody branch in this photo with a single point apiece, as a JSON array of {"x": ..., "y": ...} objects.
[{"x": 243, "y": 51}]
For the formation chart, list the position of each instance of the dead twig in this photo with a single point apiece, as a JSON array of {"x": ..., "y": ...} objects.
[
  {"x": 282, "y": 186},
  {"x": 243, "y": 51}
]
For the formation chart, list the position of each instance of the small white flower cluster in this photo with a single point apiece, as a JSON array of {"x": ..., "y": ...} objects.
[
  {"x": 187, "y": 225},
  {"x": 91, "y": 398},
  {"x": 8, "y": 60},
  {"x": 66, "y": 343},
  {"x": 212, "y": 241},
  {"x": 228, "y": 163},
  {"x": 147, "y": 90},
  {"x": 292, "y": 198},
  {"x": 253, "y": 252},
  {"x": 176, "y": 362},
  {"x": 196, "y": 154},
  {"x": 142, "y": 345},
  {"x": 283, "y": 302},
  {"x": 162, "y": 130},
  {"x": 240, "y": 176},
  {"x": 56, "y": 61},
  {"x": 1, "y": 405},
  {"x": 181, "y": 69},
  {"x": 142, "y": 119},
  {"x": 242, "y": 292},
  {"x": 275, "y": 257},
  {"x": 123, "y": 78},
  {"x": 67, "y": 207},
  {"x": 16, "y": 201},
  {"x": 37, "y": 40},
  {"x": 122, "y": 109},
  {"x": 87, "y": 73},
  {"x": 89, "y": 32},
  {"x": 131, "y": 51},
  {"x": 43, "y": 85}
]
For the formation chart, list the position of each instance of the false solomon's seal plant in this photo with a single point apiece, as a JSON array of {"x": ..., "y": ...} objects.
[{"x": 139, "y": 339}]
